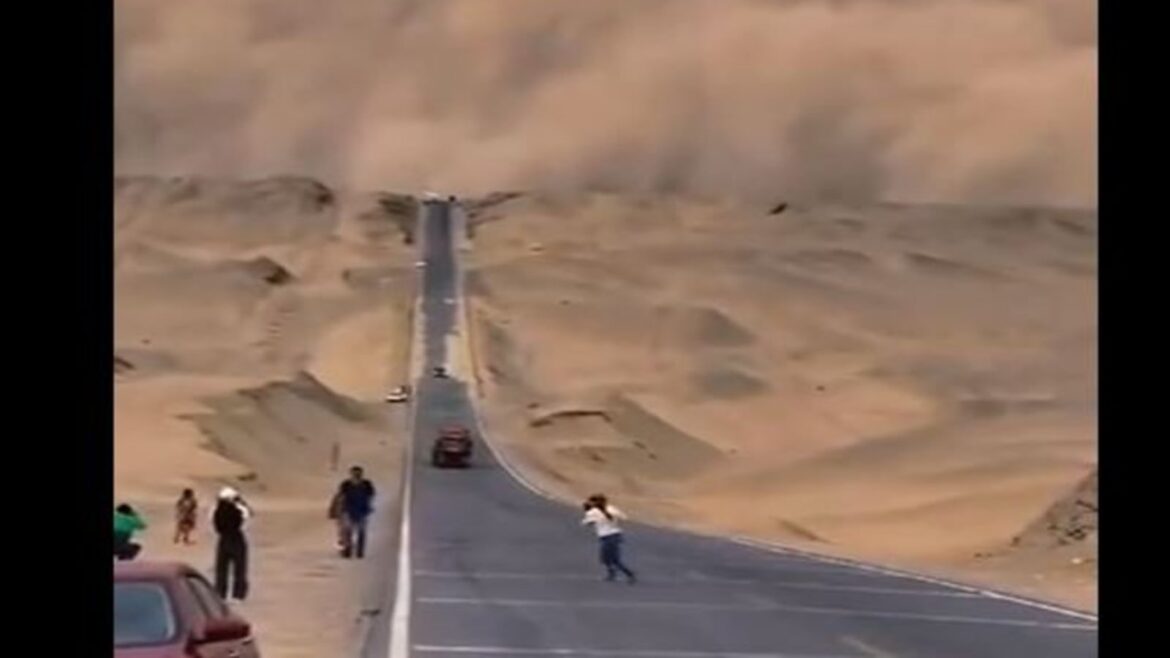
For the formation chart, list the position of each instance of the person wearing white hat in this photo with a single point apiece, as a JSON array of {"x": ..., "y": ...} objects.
[
  {"x": 228, "y": 493},
  {"x": 231, "y": 551}
]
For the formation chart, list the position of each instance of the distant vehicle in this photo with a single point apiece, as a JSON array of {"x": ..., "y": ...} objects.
[
  {"x": 420, "y": 263},
  {"x": 168, "y": 610},
  {"x": 431, "y": 197},
  {"x": 399, "y": 394},
  {"x": 439, "y": 372},
  {"x": 452, "y": 447}
]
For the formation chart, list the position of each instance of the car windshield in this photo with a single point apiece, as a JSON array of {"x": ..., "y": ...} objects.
[{"x": 142, "y": 615}]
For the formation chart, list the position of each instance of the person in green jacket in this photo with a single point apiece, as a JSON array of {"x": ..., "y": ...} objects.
[{"x": 126, "y": 523}]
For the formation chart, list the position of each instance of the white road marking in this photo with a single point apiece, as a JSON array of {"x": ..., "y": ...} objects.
[
  {"x": 855, "y": 567},
  {"x": 897, "y": 573},
  {"x": 812, "y": 610},
  {"x": 646, "y": 653},
  {"x": 777, "y": 584},
  {"x": 866, "y": 648},
  {"x": 852, "y": 567},
  {"x": 400, "y": 621}
]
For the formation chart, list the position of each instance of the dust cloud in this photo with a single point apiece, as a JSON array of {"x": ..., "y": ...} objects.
[{"x": 946, "y": 100}]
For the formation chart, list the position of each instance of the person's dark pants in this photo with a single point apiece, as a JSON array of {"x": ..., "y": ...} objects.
[
  {"x": 611, "y": 557},
  {"x": 124, "y": 549},
  {"x": 231, "y": 555},
  {"x": 355, "y": 536}
]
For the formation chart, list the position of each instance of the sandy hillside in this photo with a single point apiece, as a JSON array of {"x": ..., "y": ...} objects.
[
  {"x": 257, "y": 326},
  {"x": 916, "y": 384}
]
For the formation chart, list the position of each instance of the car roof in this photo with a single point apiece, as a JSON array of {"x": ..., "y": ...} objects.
[{"x": 150, "y": 570}]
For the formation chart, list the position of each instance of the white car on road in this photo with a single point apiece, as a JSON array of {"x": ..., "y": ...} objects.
[
  {"x": 399, "y": 394},
  {"x": 435, "y": 197}
]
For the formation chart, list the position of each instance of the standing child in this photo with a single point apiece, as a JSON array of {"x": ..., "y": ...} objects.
[{"x": 186, "y": 511}]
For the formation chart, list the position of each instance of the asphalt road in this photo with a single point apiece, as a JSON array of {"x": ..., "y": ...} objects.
[{"x": 495, "y": 570}]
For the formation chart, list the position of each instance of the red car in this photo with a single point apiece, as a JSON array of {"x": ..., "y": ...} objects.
[
  {"x": 169, "y": 610},
  {"x": 452, "y": 447}
]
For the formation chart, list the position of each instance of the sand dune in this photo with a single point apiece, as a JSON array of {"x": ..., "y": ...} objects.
[
  {"x": 910, "y": 383},
  {"x": 914, "y": 383},
  {"x": 247, "y": 353}
]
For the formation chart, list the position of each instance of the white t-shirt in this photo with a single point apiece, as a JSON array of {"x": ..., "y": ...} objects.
[{"x": 603, "y": 525}]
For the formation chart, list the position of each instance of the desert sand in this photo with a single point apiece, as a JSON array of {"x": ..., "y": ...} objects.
[
  {"x": 258, "y": 325},
  {"x": 911, "y": 384}
]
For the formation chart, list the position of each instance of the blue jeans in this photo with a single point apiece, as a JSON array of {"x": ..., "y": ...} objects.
[
  {"x": 354, "y": 535},
  {"x": 611, "y": 557}
]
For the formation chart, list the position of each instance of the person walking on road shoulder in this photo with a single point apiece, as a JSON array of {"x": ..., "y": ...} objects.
[
  {"x": 231, "y": 551},
  {"x": 356, "y": 496},
  {"x": 604, "y": 519},
  {"x": 126, "y": 523}
]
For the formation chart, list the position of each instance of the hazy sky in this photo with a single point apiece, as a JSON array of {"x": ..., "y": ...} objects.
[{"x": 988, "y": 100}]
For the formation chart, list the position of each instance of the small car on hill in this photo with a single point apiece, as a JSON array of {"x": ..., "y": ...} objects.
[{"x": 399, "y": 394}]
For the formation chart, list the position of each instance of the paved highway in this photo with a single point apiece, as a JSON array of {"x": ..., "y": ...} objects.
[{"x": 491, "y": 569}]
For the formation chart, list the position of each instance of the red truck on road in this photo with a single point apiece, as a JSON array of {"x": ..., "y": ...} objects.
[{"x": 452, "y": 447}]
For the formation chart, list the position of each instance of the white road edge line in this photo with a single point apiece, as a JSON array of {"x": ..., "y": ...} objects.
[
  {"x": 889, "y": 571},
  {"x": 473, "y": 394},
  {"x": 781, "y": 549},
  {"x": 645, "y": 653},
  {"x": 400, "y": 621},
  {"x": 865, "y": 647},
  {"x": 771, "y": 608},
  {"x": 743, "y": 541},
  {"x": 399, "y": 645}
]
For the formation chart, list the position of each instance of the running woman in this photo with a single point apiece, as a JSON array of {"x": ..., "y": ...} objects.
[{"x": 604, "y": 519}]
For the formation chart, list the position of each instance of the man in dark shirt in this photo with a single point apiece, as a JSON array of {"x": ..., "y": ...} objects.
[{"x": 356, "y": 498}]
